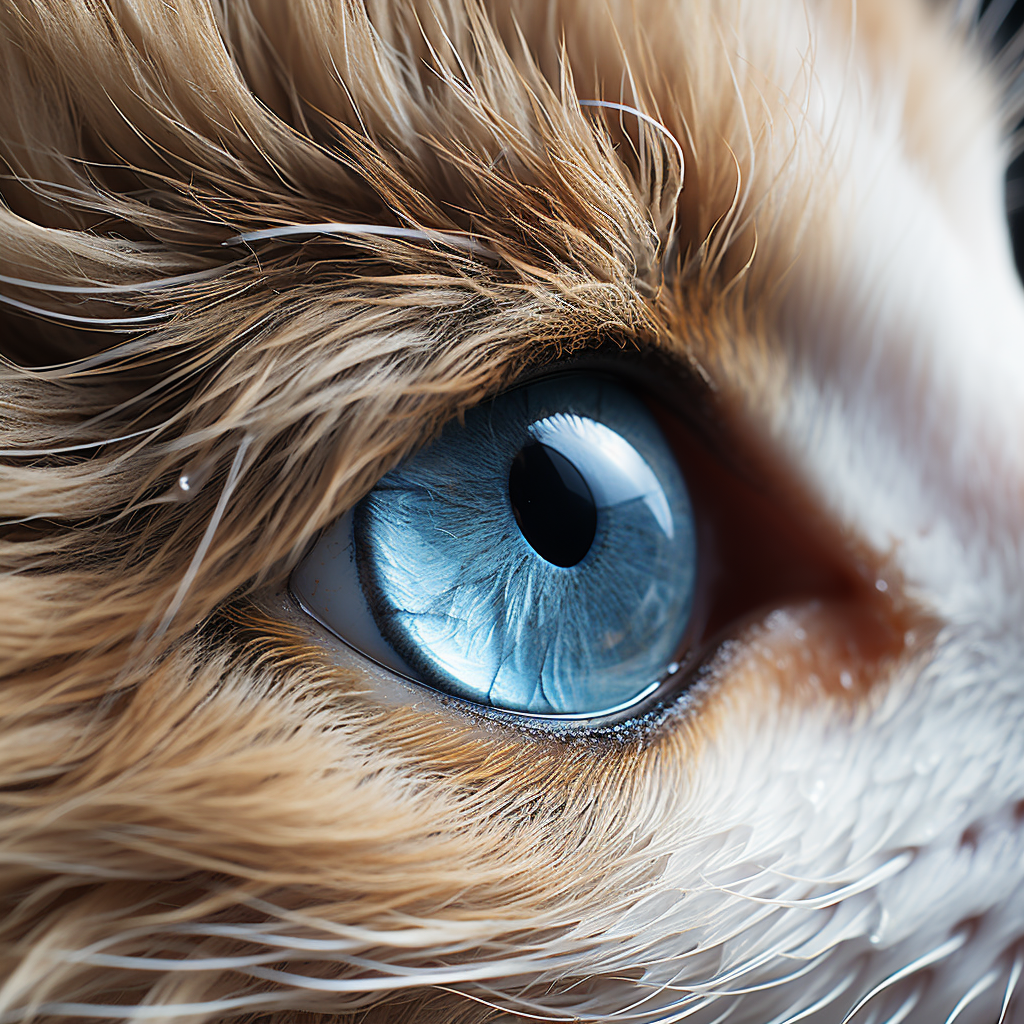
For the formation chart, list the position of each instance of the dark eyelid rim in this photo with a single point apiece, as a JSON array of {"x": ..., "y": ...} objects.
[
  {"x": 680, "y": 387},
  {"x": 677, "y": 384}
]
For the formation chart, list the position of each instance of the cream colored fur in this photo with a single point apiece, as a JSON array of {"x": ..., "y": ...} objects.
[{"x": 205, "y": 812}]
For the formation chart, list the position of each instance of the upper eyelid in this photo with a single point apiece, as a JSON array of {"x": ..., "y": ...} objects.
[{"x": 677, "y": 383}]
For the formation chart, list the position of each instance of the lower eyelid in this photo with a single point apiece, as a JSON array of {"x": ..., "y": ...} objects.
[
  {"x": 838, "y": 651},
  {"x": 815, "y": 654}
]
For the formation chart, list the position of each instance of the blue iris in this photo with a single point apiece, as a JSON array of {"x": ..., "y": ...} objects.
[{"x": 539, "y": 557}]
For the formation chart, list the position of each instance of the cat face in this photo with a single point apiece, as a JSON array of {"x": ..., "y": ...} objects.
[{"x": 256, "y": 256}]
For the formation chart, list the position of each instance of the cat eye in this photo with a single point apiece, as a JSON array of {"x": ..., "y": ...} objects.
[
  {"x": 538, "y": 558},
  {"x": 569, "y": 551}
]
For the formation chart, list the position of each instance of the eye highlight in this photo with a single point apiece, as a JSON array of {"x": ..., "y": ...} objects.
[{"x": 540, "y": 558}]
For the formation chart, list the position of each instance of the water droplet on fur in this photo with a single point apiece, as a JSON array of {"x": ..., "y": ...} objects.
[
  {"x": 188, "y": 485},
  {"x": 846, "y": 680},
  {"x": 185, "y": 489},
  {"x": 881, "y": 585}
]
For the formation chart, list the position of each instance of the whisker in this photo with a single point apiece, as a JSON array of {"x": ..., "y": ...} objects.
[
  {"x": 153, "y": 963},
  {"x": 1011, "y": 985},
  {"x": 114, "y": 323},
  {"x": 115, "y": 352},
  {"x": 906, "y": 1007},
  {"x": 119, "y": 1011},
  {"x": 736, "y": 972},
  {"x": 547, "y": 1018},
  {"x": 830, "y": 997},
  {"x": 349, "y": 937},
  {"x": 981, "y": 985},
  {"x": 416, "y": 978},
  {"x": 885, "y": 871},
  {"x": 30, "y": 519},
  {"x": 947, "y": 948},
  {"x": 383, "y": 230},
  {"x": 528, "y": 1008},
  {"x": 698, "y": 995},
  {"x": 285, "y": 942},
  {"x": 207, "y": 540},
  {"x": 122, "y": 289},
  {"x": 647, "y": 119},
  {"x": 20, "y": 452},
  {"x": 703, "y": 1003},
  {"x": 777, "y": 982}
]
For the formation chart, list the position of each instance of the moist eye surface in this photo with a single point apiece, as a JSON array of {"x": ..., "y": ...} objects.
[{"x": 539, "y": 558}]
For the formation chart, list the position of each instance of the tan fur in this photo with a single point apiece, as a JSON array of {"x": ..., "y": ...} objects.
[{"x": 173, "y": 757}]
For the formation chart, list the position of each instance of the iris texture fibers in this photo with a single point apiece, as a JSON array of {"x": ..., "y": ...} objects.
[{"x": 460, "y": 594}]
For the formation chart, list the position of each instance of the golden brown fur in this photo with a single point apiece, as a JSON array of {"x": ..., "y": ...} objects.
[{"x": 175, "y": 761}]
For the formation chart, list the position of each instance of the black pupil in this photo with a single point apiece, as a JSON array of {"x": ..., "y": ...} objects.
[{"x": 552, "y": 504}]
